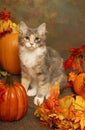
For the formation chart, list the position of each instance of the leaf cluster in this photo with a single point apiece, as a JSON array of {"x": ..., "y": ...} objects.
[{"x": 67, "y": 113}]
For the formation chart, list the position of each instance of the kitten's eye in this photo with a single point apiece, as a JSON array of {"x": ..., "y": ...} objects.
[
  {"x": 27, "y": 37},
  {"x": 37, "y": 39}
]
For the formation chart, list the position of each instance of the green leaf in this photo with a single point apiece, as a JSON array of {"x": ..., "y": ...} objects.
[{"x": 3, "y": 73}]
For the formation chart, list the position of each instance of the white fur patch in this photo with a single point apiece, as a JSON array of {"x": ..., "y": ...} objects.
[
  {"x": 29, "y": 58},
  {"x": 32, "y": 92},
  {"x": 38, "y": 100}
]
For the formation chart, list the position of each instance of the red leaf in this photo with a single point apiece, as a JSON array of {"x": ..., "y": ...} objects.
[
  {"x": 68, "y": 63},
  {"x": 4, "y": 15}
]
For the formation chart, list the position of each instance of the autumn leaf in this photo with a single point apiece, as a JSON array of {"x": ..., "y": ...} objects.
[
  {"x": 6, "y": 25},
  {"x": 4, "y": 15},
  {"x": 65, "y": 104},
  {"x": 76, "y": 59},
  {"x": 82, "y": 122},
  {"x": 67, "y": 113},
  {"x": 72, "y": 76},
  {"x": 54, "y": 93},
  {"x": 77, "y": 65},
  {"x": 70, "y": 79},
  {"x": 80, "y": 103},
  {"x": 68, "y": 63},
  {"x": 3, "y": 73}
]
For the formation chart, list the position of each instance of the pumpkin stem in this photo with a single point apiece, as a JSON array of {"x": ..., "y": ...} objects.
[{"x": 9, "y": 80}]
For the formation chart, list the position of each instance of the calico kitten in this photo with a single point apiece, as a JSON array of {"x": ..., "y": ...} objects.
[{"x": 41, "y": 66}]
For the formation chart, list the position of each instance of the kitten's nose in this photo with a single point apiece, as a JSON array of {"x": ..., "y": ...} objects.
[{"x": 31, "y": 43}]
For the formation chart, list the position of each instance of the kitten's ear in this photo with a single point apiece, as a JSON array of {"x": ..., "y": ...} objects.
[
  {"x": 42, "y": 29},
  {"x": 23, "y": 27}
]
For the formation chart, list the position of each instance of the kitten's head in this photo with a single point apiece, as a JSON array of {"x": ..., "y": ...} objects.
[{"x": 32, "y": 38}]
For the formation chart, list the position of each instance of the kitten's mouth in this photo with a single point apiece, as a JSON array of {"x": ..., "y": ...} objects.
[{"x": 31, "y": 47}]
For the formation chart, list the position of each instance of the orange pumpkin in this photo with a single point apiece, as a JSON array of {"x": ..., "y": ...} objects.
[
  {"x": 9, "y": 49},
  {"x": 15, "y": 100},
  {"x": 79, "y": 84}
]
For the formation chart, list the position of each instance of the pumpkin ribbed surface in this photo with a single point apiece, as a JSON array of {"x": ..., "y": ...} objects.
[{"x": 15, "y": 103}]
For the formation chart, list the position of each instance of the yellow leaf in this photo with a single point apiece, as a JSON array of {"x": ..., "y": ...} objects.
[
  {"x": 80, "y": 103},
  {"x": 72, "y": 76},
  {"x": 55, "y": 89},
  {"x": 59, "y": 116},
  {"x": 65, "y": 104},
  {"x": 82, "y": 123}
]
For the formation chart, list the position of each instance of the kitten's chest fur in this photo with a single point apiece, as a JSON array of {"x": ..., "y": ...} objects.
[{"x": 31, "y": 59}]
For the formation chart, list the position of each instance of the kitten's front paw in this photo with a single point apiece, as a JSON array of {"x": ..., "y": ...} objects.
[
  {"x": 32, "y": 92},
  {"x": 38, "y": 100}
]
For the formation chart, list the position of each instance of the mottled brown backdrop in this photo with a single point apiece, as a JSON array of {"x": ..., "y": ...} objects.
[{"x": 65, "y": 20}]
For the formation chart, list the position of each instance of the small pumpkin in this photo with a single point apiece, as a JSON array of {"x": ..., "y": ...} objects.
[
  {"x": 15, "y": 100},
  {"x": 79, "y": 84},
  {"x": 9, "y": 49}
]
